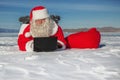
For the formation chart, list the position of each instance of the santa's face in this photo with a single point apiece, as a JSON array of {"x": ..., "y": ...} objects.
[
  {"x": 38, "y": 22},
  {"x": 41, "y": 27}
]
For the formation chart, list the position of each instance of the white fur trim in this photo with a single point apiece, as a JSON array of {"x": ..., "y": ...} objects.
[
  {"x": 23, "y": 26},
  {"x": 63, "y": 45},
  {"x": 27, "y": 34},
  {"x": 55, "y": 29},
  {"x": 40, "y": 14},
  {"x": 29, "y": 46}
]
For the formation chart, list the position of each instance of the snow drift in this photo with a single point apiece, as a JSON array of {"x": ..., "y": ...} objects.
[{"x": 70, "y": 64}]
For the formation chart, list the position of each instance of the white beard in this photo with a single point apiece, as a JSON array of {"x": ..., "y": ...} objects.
[{"x": 43, "y": 30}]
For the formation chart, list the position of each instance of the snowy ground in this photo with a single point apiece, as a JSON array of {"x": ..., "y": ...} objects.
[{"x": 70, "y": 64}]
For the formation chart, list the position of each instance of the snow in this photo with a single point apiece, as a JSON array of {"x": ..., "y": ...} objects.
[{"x": 70, "y": 64}]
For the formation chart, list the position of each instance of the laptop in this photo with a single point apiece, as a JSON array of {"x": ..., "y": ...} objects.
[{"x": 45, "y": 44}]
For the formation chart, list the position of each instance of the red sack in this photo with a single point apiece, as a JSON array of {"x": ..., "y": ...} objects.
[{"x": 88, "y": 39}]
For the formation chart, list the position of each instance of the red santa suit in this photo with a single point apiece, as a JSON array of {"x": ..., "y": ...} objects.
[{"x": 25, "y": 39}]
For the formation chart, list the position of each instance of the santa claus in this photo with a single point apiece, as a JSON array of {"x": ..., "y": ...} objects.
[{"x": 40, "y": 25}]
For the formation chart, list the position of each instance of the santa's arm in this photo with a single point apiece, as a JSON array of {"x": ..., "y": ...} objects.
[
  {"x": 24, "y": 37},
  {"x": 60, "y": 38}
]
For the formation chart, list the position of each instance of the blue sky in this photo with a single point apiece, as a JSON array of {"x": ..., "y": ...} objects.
[{"x": 74, "y": 13}]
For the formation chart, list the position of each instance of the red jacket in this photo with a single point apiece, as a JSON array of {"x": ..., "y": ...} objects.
[{"x": 25, "y": 40}]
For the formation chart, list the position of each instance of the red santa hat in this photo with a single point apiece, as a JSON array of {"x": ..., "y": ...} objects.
[{"x": 38, "y": 12}]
